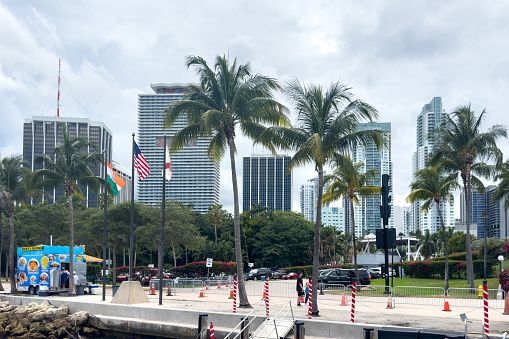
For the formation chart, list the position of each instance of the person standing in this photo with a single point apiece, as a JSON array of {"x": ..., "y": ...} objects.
[
  {"x": 307, "y": 291},
  {"x": 75, "y": 277},
  {"x": 65, "y": 278},
  {"x": 300, "y": 289}
]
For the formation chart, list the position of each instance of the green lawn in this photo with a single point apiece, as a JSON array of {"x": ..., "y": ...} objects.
[{"x": 453, "y": 283}]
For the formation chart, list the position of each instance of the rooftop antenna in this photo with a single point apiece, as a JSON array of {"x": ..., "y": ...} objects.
[{"x": 58, "y": 96}]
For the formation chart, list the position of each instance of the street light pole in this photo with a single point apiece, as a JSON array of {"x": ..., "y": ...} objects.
[
  {"x": 401, "y": 257},
  {"x": 485, "y": 215}
]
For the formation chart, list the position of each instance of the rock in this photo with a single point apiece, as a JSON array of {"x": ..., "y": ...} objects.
[
  {"x": 17, "y": 330},
  {"x": 90, "y": 332},
  {"x": 81, "y": 317},
  {"x": 55, "y": 313},
  {"x": 8, "y": 308},
  {"x": 37, "y": 316}
]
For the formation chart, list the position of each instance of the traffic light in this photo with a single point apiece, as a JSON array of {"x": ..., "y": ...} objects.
[{"x": 385, "y": 209}]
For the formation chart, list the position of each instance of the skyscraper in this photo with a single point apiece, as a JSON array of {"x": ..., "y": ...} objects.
[
  {"x": 334, "y": 216},
  {"x": 367, "y": 213},
  {"x": 42, "y": 134},
  {"x": 480, "y": 203},
  {"x": 309, "y": 196},
  {"x": 267, "y": 183},
  {"x": 195, "y": 178},
  {"x": 431, "y": 116}
]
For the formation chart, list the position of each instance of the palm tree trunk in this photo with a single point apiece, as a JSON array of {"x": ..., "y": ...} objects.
[
  {"x": 316, "y": 242},
  {"x": 468, "y": 248},
  {"x": 215, "y": 232},
  {"x": 1, "y": 245},
  {"x": 174, "y": 257},
  {"x": 71, "y": 244},
  {"x": 354, "y": 243},
  {"x": 243, "y": 301},
  {"x": 446, "y": 285},
  {"x": 12, "y": 254}
]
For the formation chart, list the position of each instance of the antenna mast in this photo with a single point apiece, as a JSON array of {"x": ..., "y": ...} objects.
[{"x": 58, "y": 97}]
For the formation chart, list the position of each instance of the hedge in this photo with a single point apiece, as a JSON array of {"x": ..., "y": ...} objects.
[
  {"x": 436, "y": 268},
  {"x": 308, "y": 270},
  {"x": 199, "y": 269}
]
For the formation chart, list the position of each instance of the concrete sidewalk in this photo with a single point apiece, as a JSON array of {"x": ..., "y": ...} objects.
[{"x": 406, "y": 315}]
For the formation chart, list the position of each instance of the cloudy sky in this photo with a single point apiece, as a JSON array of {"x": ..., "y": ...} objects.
[{"x": 397, "y": 55}]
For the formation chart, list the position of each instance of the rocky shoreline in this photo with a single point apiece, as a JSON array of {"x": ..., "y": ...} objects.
[{"x": 39, "y": 321}]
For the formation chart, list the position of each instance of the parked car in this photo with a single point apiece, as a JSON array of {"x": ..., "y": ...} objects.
[
  {"x": 364, "y": 278},
  {"x": 345, "y": 277},
  {"x": 258, "y": 273},
  {"x": 278, "y": 274},
  {"x": 375, "y": 272},
  {"x": 290, "y": 275}
]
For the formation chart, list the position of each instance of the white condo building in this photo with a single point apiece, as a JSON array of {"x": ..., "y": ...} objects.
[
  {"x": 431, "y": 116},
  {"x": 195, "y": 177},
  {"x": 308, "y": 198},
  {"x": 334, "y": 216}
]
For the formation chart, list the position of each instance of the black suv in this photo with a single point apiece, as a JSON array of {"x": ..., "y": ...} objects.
[
  {"x": 343, "y": 277},
  {"x": 258, "y": 273}
]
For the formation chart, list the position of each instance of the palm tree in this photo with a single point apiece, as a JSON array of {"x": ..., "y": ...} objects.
[
  {"x": 431, "y": 186},
  {"x": 229, "y": 97},
  {"x": 70, "y": 167},
  {"x": 327, "y": 125},
  {"x": 502, "y": 191},
  {"x": 349, "y": 182},
  {"x": 13, "y": 190},
  {"x": 461, "y": 141},
  {"x": 426, "y": 245},
  {"x": 216, "y": 214}
]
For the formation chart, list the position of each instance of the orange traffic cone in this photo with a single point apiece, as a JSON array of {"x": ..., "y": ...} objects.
[
  {"x": 201, "y": 292},
  {"x": 446, "y": 306},
  {"x": 226, "y": 283},
  {"x": 231, "y": 292},
  {"x": 506, "y": 307},
  {"x": 153, "y": 291},
  {"x": 343, "y": 300},
  {"x": 389, "y": 304},
  {"x": 169, "y": 290},
  {"x": 219, "y": 284},
  {"x": 206, "y": 287}
]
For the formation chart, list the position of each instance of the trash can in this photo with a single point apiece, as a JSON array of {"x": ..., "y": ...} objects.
[
  {"x": 398, "y": 333},
  {"x": 263, "y": 278},
  {"x": 80, "y": 289},
  {"x": 437, "y": 334},
  {"x": 114, "y": 289}
]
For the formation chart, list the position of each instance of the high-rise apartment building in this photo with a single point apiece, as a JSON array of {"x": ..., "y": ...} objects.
[
  {"x": 431, "y": 116},
  {"x": 334, "y": 216},
  {"x": 309, "y": 196},
  {"x": 42, "y": 134},
  {"x": 367, "y": 213},
  {"x": 195, "y": 178},
  {"x": 267, "y": 183},
  {"x": 400, "y": 219},
  {"x": 496, "y": 225}
]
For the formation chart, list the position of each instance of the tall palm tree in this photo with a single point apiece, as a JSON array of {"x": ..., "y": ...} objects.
[
  {"x": 70, "y": 167},
  {"x": 348, "y": 181},
  {"x": 13, "y": 190},
  {"x": 327, "y": 122},
  {"x": 502, "y": 191},
  {"x": 460, "y": 140},
  {"x": 230, "y": 97},
  {"x": 216, "y": 214},
  {"x": 432, "y": 186}
]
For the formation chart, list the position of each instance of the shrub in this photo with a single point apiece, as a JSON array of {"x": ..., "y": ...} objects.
[
  {"x": 199, "y": 269},
  {"x": 503, "y": 279}
]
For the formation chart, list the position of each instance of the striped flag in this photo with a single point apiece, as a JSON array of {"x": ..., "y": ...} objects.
[
  {"x": 167, "y": 171},
  {"x": 140, "y": 163},
  {"x": 116, "y": 182}
]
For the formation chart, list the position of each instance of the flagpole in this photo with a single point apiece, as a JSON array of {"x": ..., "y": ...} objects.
[
  {"x": 161, "y": 249},
  {"x": 105, "y": 204},
  {"x": 131, "y": 236}
]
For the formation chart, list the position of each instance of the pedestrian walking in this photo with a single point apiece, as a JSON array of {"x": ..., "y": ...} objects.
[
  {"x": 65, "y": 278},
  {"x": 75, "y": 277},
  {"x": 300, "y": 289},
  {"x": 307, "y": 291}
]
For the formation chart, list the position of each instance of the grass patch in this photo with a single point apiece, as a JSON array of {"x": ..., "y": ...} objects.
[{"x": 453, "y": 283}]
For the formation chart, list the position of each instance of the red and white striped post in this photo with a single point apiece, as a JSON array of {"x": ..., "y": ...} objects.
[
  {"x": 486, "y": 320},
  {"x": 310, "y": 310},
  {"x": 266, "y": 289},
  {"x": 235, "y": 295},
  {"x": 352, "y": 314},
  {"x": 211, "y": 331}
]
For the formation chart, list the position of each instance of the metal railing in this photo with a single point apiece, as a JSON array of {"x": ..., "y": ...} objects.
[
  {"x": 419, "y": 295},
  {"x": 473, "y": 297},
  {"x": 257, "y": 311}
]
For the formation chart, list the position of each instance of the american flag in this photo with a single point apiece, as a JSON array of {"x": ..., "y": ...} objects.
[{"x": 140, "y": 163}]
